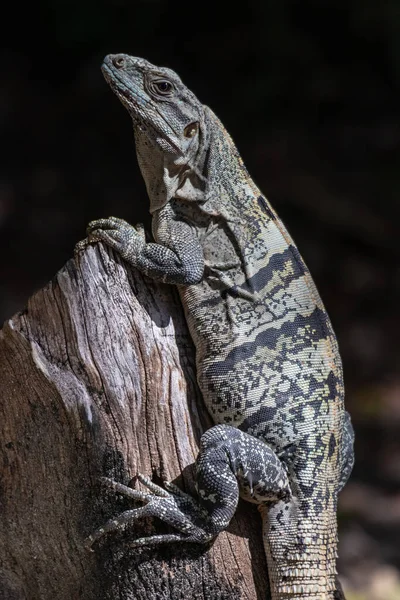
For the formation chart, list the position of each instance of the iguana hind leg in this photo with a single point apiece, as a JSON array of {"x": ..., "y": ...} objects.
[{"x": 230, "y": 463}]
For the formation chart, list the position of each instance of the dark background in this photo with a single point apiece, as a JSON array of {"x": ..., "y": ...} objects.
[{"x": 310, "y": 92}]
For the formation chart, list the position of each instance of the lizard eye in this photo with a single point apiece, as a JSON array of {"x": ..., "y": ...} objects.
[
  {"x": 191, "y": 130},
  {"x": 162, "y": 87}
]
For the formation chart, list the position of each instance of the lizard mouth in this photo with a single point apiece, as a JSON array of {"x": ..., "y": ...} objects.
[
  {"x": 140, "y": 107},
  {"x": 119, "y": 86}
]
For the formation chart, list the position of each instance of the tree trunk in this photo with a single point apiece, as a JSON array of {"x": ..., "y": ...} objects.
[{"x": 97, "y": 378}]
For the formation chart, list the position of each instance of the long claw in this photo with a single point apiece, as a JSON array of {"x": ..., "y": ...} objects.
[
  {"x": 174, "y": 489},
  {"x": 153, "y": 487},
  {"x": 154, "y": 540},
  {"x": 125, "y": 490},
  {"x": 116, "y": 523}
]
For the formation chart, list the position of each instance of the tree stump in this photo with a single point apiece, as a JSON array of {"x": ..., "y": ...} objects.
[{"x": 97, "y": 378}]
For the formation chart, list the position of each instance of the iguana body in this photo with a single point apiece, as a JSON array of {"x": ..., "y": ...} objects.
[{"x": 267, "y": 358}]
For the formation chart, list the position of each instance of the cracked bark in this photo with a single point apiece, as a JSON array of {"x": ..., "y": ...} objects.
[{"x": 97, "y": 377}]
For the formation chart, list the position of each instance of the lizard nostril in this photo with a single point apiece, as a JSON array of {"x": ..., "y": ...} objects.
[{"x": 118, "y": 62}]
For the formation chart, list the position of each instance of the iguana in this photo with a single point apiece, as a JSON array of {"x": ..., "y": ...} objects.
[{"x": 267, "y": 359}]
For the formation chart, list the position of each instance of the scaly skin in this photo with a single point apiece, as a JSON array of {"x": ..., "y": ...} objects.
[{"x": 267, "y": 359}]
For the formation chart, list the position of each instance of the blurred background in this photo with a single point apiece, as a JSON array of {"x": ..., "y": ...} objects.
[{"x": 310, "y": 92}]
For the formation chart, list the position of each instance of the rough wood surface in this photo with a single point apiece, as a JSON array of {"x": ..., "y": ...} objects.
[{"x": 97, "y": 378}]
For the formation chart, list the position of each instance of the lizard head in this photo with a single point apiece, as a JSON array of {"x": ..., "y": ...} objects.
[{"x": 169, "y": 125}]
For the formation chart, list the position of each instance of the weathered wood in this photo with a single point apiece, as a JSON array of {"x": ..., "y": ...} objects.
[{"x": 97, "y": 378}]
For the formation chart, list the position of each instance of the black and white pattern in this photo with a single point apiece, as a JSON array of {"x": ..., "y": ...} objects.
[{"x": 268, "y": 364}]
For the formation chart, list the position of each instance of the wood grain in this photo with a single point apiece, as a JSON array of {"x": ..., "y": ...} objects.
[{"x": 97, "y": 377}]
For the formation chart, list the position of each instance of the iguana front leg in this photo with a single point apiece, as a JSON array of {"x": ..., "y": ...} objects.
[{"x": 176, "y": 258}]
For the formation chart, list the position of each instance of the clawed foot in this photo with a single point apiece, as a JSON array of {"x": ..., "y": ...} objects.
[
  {"x": 116, "y": 233},
  {"x": 171, "y": 505}
]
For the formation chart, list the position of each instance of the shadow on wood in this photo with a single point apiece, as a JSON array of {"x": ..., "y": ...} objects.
[{"x": 97, "y": 377}]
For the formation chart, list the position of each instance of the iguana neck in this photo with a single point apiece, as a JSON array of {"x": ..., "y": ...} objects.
[
  {"x": 168, "y": 173},
  {"x": 215, "y": 177}
]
